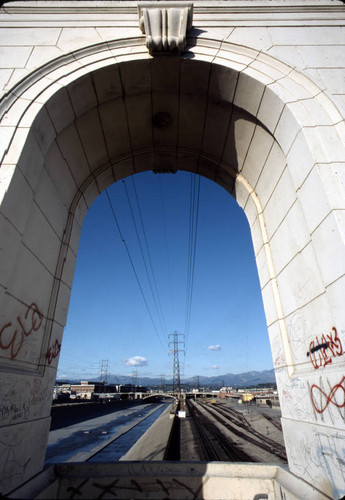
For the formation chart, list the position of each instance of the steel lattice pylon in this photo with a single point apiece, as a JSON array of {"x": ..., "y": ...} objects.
[{"x": 174, "y": 347}]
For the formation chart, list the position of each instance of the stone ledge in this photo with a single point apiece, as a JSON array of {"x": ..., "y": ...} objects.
[{"x": 131, "y": 480}]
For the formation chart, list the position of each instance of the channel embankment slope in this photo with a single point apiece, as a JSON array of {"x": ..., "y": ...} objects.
[{"x": 152, "y": 445}]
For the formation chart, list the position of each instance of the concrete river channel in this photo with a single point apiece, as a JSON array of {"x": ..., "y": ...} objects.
[{"x": 90, "y": 434}]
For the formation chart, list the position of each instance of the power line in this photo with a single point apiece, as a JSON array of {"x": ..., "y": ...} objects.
[
  {"x": 71, "y": 362},
  {"x": 192, "y": 240},
  {"x": 72, "y": 358},
  {"x": 149, "y": 254},
  {"x": 166, "y": 248},
  {"x": 155, "y": 295},
  {"x": 133, "y": 268}
]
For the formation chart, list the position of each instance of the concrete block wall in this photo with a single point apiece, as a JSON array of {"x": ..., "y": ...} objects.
[{"x": 255, "y": 107}]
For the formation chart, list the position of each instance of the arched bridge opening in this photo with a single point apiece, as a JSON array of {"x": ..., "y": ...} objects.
[
  {"x": 159, "y": 397},
  {"x": 243, "y": 120}
]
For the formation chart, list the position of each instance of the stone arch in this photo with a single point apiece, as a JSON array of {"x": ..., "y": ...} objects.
[
  {"x": 232, "y": 114},
  {"x": 158, "y": 395}
]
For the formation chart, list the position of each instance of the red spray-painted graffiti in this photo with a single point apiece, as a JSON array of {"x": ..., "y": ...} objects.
[
  {"x": 53, "y": 352},
  {"x": 325, "y": 399},
  {"x": 318, "y": 351},
  {"x": 14, "y": 340}
]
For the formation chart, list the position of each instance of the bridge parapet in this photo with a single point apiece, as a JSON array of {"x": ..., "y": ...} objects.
[{"x": 209, "y": 481}]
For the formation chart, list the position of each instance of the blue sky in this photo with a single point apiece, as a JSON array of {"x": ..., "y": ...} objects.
[{"x": 108, "y": 318}]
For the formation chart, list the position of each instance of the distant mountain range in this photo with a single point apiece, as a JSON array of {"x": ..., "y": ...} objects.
[
  {"x": 240, "y": 379},
  {"x": 227, "y": 380}
]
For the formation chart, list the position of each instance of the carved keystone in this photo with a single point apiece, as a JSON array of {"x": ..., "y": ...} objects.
[{"x": 165, "y": 25}]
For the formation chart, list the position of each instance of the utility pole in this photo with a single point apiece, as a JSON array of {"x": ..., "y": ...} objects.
[{"x": 175, "y": 343}]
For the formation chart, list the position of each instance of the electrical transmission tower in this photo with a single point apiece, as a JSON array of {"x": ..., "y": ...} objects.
[
  {"x": 174, "y": 346},
  {"x": 162, "y": 382},
  {"x": 134, "y": 378},
  {"x": 104, "y": 370}
]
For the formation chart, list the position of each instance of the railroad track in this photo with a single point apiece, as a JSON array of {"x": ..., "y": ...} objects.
[
  {"x": 273, "y": 421},
  {"x": 277, "y": 448},
  {"x": 237, "y": 424},
  {"x": 237, "y": 414},
  {"x": 214, "y": 446}
]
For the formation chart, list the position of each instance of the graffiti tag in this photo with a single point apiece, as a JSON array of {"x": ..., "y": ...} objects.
[
  {"x": 53, "y": 352},
  {"x": 321, "y": 352},
  {"x": 330, "y": 398},
  {"x": 24, "y": 327}
]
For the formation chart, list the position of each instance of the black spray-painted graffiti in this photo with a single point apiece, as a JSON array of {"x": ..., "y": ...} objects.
[
  {"x": 133, "y": 485},
  {"x": 167, "y": 488},
  {"x": 322, "y": 351}
]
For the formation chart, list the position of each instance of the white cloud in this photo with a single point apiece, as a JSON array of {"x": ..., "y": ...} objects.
[
  {"x": 136, "y": 361},
  {"x": 215, "y": 367},
  {"x": 214, "y": 347}
]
